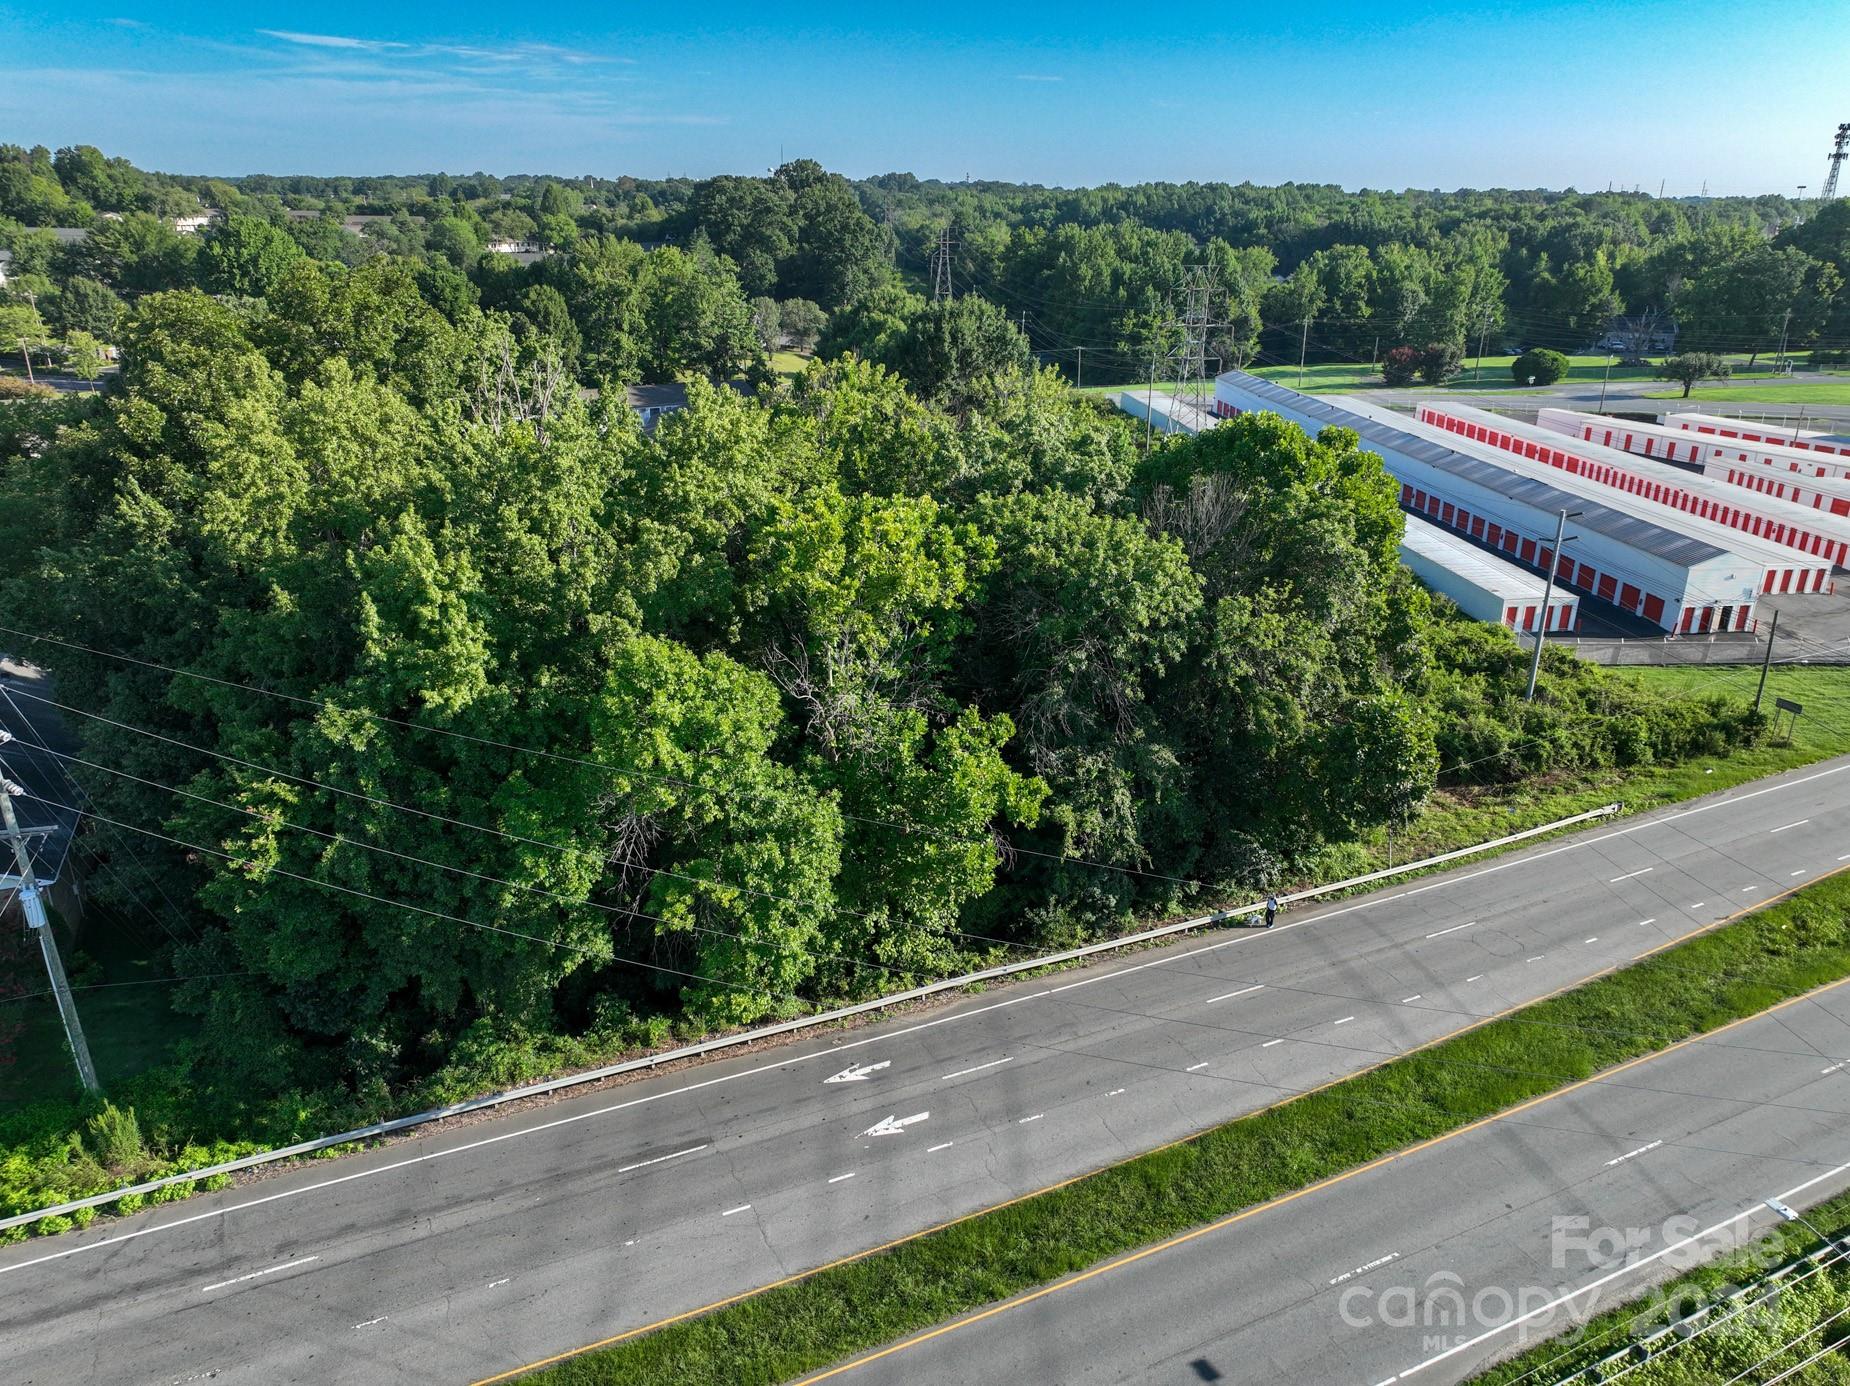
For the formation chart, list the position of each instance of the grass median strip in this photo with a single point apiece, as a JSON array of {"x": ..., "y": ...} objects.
[{"x": 1738, "y": 970}]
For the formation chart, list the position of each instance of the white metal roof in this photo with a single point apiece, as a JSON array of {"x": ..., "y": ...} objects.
[
  {"x": 1714, "y": 488},
  {"x": 1828, "y": 485},
  {"x": 1593, "y": 500},
  {"x": 1670, "y": 434},
  {"x": 1166, "y": 407},
  {"x": 1513, "y": 477},
  {"x": 1768, "y": 427},
  {"x": 1476, "y": 566}
]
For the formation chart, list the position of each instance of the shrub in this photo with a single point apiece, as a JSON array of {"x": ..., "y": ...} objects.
[
  {"x": 1439, "y": 362},
  {"x": 1400, "y": 365},
  {"x": 12, "y": 387},
  {"x": 114, "y": 1136},
  {"x": 1540, "y": 366}
]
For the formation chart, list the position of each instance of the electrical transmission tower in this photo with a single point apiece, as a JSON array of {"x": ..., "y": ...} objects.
[
  {"x": 1838, "y": 153},
  {"x": 1197, "y": 289},
  {"x": 941, "y": 266}
]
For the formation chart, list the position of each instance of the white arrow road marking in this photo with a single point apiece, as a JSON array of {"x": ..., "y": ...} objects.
[
  {"x": 892, "y": 1126},
  {"x": 859, "y": 1073}
]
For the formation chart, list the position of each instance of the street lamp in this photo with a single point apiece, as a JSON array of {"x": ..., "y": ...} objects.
[{"x": 1548, "y": 588}]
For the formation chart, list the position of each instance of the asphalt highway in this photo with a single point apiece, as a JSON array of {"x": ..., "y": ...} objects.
[
  {"x": 481, "y": 1248},
  {"x": 1429, "y": 1268}
]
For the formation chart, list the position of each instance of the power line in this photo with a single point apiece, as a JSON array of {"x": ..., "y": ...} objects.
[
  {"x": 602, "y": 766},
  {"x": 245, "y": 864}
]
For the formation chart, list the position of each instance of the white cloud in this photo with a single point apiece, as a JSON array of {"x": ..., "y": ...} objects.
[{"x": 331, "y": 40}]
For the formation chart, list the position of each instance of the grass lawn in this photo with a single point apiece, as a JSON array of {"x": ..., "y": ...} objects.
[
  {"x": 1692, "y": 988},
  {"x": 788, "y": 362},
  {"x": 130, "y": 1027},
  {"x": 1495, "y": 375},
  {"x": 1836, "y": 391}
]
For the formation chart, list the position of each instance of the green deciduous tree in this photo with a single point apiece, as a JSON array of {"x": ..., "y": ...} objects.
[
  {"x": 245, "y": 257},
  {"x": 1689, "y": 367}
]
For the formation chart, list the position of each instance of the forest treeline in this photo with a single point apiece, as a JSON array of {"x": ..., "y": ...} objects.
[
  {"x": 464, "y": 718},
  {"x": 642, "y": 279}
]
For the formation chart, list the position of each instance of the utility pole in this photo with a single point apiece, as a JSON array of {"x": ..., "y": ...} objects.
[
  {"x": 1766, "y": 663},
  {"x": 1483, "y": 331},
  {"x": 1784, "y": 323},
  {"x": 37, "y": 922},
  {"x": 1548, "y": 591},
  {"x": 1080, "y": 383},
  {"x": 26, "y": 352},
  {"x": 1303, "y": 346}
]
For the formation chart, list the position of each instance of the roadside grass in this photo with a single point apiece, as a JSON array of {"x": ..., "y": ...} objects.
[
  {"x": 1786, "y": 392},
  {"x": 1691, "y": 988},
  {"x": 1737, "y": 1344}
]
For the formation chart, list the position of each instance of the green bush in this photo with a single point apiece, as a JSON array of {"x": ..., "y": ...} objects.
[
  {"x": 1539, "y": 366},
  {"x": 114, "y": 1137},
  {"x": 1584, "y": 717}
]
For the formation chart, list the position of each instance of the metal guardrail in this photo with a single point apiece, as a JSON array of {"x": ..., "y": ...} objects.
[{"x": 705, "y": 1047}]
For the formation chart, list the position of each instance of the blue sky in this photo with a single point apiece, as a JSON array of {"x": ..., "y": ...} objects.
[{"x": 1545, "y": 93}]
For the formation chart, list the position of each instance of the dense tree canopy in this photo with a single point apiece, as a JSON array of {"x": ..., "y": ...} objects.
[{"x": 482, "y": 713}]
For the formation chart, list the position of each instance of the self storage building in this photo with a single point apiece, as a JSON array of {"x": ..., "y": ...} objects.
[
  {"x": 1482, "y": 584},
  {"x": 1814, "y": 533},
  {"x": 1720, "y": 426},
  {"x": 1670, "y": 574},
  {"x": 1683, "y": 445}
]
